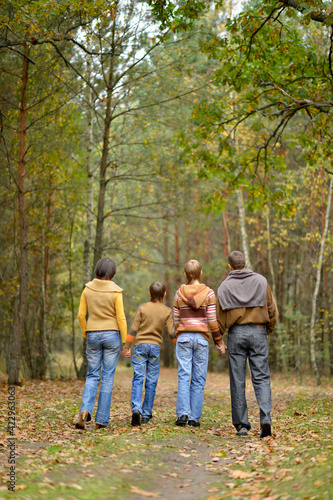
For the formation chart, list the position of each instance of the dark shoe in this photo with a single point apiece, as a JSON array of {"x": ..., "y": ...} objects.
[
  {"x": 100, "y": 426},
  {"x": 193, "y": 423},
  {"x": 265, "y": 430},
  {"x": 81, "y": 423},
  {"x": 242, "y": 431},
  {"x": 182, "y": 420},
  {"x": 145, "y": 420},
  {"x": 136, "y": 418}
]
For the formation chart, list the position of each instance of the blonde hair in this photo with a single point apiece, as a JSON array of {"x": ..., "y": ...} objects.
[{"x": 192, "y": 270}]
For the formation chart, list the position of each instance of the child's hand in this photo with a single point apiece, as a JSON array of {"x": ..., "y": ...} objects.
[
  {"x": 126, "y": 353},
  {"x": 221, "y": 347}
]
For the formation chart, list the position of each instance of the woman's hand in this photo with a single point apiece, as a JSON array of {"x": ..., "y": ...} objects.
[{"x": 126, "y": 352}]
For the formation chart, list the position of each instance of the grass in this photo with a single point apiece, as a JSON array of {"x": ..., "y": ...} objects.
[{"x": 54, "y": 460}]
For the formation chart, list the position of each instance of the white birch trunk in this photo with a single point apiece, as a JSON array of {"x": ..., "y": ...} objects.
[
  {"x": 241, "y": 211},
  {"x": 316, "y": 291}
]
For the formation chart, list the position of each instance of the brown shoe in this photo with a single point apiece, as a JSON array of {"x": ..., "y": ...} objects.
[
  {"x": 100, "y": 426},
  {"x": 81, "y": 423}
]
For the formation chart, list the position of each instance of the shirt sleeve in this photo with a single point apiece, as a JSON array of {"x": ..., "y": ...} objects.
[
  {"x": 211, "y": 318},
  {"x": 221, "y": 317},
  {"x": 170, "y": 325},
  {"x": 120, "y": 316},
  {"x": 273, "y": 312},
  {"x": 176, "y": 314},
  {"x": 83, "y": 308},
  {"x": 134, "y": 329}
]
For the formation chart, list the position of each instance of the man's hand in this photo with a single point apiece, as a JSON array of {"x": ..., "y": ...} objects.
[
  {"x": 126, "y": 352},
  {"x": 221, "y": 346}
]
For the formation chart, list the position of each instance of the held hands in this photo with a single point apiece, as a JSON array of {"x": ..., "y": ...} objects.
[
  {"x": 221, "y": 346},
  {"x": 126, "y": 352}
]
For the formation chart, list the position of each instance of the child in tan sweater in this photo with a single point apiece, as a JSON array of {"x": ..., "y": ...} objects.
[{"x": 147, "y": 328}]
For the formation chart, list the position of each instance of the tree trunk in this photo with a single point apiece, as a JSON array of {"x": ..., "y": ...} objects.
[
  {"x": 87, "y": 274},
  {"x": 241, "y": 211},
  {"x": 21, "y": 301},
  {"x": 98, "y": 250},
  {"x": 316, "y": 291},
  {"x": 87, "y": 271},
  {"x": 166, "y": 352}
]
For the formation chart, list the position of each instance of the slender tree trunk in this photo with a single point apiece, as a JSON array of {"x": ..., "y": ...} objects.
[
  {"x": 22, "y": 301},
  {"x": 166, "y": 352},
  {"x": 45, "y": 261},
  {"x": 90, "y": 193},
  {"x": 226, "y": 237},
  {"x": 241, "y": 210},
  {"x": 316, "y": 291},
  {"x": 98, "y": 250},
  {"x": 88, "y": 244}
]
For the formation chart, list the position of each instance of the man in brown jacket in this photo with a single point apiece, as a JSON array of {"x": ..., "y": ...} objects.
[{"x": 246, "y": 307}]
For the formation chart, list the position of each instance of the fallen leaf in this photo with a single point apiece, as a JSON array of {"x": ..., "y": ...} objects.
[
  {"x": 213, "y": 490},
  {"x": 240, "y": 474},
  {"x": 144, "y": 493},
  {"x": 74, "y": 486}
]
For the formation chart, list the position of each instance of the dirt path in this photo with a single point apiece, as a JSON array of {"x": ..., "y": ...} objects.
[{"x": 161, "y": 460}]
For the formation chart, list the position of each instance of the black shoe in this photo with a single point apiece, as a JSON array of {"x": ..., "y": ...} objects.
[
  {"x": 182, "y": 421},
  {"x": 145, "y": 420},
  {"x": 265, "y": 430},
  {"x": 136, "y": 418},
  {"x": 242, "y": 431},
  {"x": 193, "y": 423}
]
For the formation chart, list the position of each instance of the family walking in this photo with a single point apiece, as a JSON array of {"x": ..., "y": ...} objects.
[{"x": 244, "y": 306}]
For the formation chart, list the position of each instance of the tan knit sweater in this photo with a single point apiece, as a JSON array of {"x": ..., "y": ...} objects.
[
  {"x": 103, "y": 300},
  {"x": 148, "y": 324}
]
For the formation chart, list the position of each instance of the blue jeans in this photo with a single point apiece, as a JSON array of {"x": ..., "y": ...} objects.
[
  {"x": 249, "y": 341},
  {"x": 192, "y": 356},
  {"x": 145, "y": 360},
  {"x": 103, "y": 350}
]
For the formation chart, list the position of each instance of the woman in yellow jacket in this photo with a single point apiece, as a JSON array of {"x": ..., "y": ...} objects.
[{"x": 106, "y": 330}]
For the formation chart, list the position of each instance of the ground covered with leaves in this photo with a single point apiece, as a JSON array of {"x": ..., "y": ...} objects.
[{"x": 159, "y": 460}]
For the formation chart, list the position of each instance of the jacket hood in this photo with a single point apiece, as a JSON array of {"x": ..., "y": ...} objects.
[
  {"x": 194, "y": 295},
  {"x": 103, "y": 286}
]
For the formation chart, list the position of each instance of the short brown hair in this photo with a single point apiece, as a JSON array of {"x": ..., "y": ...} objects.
[
  {"x": 105, "y": 269},
  {"x": 237, "y": 260},
  {"x": 192, "y": 270},
  {"x": 157, "y": 291}
]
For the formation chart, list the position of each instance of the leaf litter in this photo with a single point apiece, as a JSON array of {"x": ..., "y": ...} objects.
[{"x": 159, "y": 459}]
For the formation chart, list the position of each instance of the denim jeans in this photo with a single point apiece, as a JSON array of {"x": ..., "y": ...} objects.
[
  {"x": 145, "y": 360},
  {"x": 103, "y": 350},
  {"x": 249, "y": 341},
  {"x": 192, "y": 356}
]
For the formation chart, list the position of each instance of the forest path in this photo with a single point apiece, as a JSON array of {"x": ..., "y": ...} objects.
[{"x": 160, "y": 460}]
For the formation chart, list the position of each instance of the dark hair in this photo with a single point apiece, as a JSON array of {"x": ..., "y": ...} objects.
[
  {"x": 237, "y": 260},
  {"x": 157, "y": 291},
  {"x": 105, "y": 269},
  {"x": 192, "y": 270}
]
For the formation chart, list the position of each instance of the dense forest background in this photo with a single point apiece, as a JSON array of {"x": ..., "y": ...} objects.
[{"x": 155, "y": 132}]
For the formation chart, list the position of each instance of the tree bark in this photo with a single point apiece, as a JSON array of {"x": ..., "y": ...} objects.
[
  {"x": 241, "y": 210},
  {"x": 22, "y": 300},
  {"x": 316, "y": 291},
  {"x": 81, "y": 373},
  {"x": 98, "y": 250}
]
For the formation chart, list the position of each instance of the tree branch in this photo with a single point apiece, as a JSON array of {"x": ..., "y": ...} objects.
[{"x": 320, "y": 18}]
